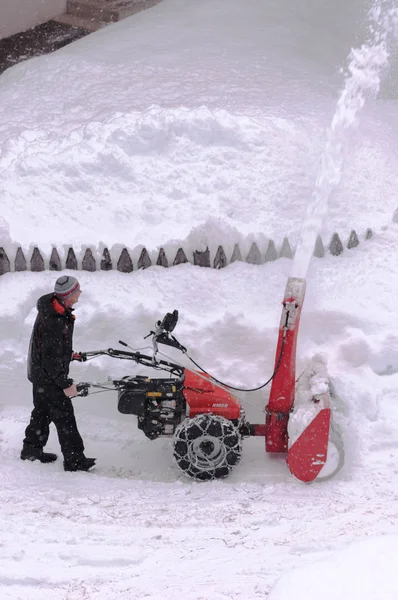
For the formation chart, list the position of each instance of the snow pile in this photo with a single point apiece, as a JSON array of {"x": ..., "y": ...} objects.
[{"x": 155, "y": 128}]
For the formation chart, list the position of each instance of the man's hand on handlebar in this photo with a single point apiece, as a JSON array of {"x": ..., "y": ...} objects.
[
  {"x": 79, "y": 356},
  {"x": 71, "y": 391},
  {"x": 77, "y": 389}
]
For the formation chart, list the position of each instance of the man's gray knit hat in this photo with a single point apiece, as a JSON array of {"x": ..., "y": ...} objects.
[{"x": 66, "y": 286}]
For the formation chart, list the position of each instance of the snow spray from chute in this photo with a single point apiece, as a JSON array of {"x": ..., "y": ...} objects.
[
  {"x": 365, "y": 67},
  {"x": 306, "y": 433}
]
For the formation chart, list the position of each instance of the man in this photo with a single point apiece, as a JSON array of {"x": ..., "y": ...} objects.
[{"x": 50, "y": 354}]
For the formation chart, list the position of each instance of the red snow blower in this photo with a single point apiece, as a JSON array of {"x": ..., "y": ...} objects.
[{"x": 207, "y": 422}]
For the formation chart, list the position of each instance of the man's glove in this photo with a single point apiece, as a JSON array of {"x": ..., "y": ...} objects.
[{"x": 79, "y": 356}]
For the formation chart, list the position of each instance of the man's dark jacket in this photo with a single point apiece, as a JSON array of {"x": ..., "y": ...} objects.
[{"x": 50, "y": 349}]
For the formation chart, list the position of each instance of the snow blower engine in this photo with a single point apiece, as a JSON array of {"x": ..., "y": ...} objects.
[{"x": 206, "y": 421}]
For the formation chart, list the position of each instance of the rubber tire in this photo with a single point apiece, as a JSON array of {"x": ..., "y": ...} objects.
[{"x": 207, "y": 447}]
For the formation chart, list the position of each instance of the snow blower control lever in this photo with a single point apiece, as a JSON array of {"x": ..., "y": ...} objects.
[
  {"x": 82, "y": 388},
  {"x": 204, "y": 419}
]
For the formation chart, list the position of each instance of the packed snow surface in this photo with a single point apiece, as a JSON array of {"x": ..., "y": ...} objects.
[
  {"x": 198, "y": 124},
  {"x": 365, "y": 569}
]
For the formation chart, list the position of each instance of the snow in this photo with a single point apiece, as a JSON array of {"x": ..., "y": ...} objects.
[
  {"x": 186, "y": 117},
  {"x": 197, "y": 124},
  {"x": 366, "y": 67},
  {"x": 357, "y": 572}
]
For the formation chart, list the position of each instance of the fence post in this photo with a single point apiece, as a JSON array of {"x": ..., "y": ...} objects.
[
  {"x": 71, "y": 262},
  {"x": 236, "y": 254},
  {"x": 144, "y": 261},
  {"x": 106, "y": 261},
  {"x": 201, "y": 259},
  {"x": 20, "y": 260},
  {"x": 4, "y": 262},
  {"x": 36, "y": 262},
  {"x": 162, "y": 259},
  {"x": 124, "y": 264},
  {"x": 335, "y": 246},
  {"x": 271, "y": 253},
  {"x": 254, "y": 255},
  {"x": 55, "y": 261},
  {"x": 220, "y": 260},
  {"x": 319, "y": 248},
  {"x": 180, "y": 257},
  {"x": 89, "y": 262}
]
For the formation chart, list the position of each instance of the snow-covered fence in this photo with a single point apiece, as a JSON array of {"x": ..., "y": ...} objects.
[{"x": 125, "y": 264}]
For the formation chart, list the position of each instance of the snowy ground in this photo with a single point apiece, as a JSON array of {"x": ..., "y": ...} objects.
[{"x": 183, "y": 124}]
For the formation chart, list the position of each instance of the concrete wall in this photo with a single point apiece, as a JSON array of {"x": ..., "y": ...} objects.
[{"x": 19, "y": 15}]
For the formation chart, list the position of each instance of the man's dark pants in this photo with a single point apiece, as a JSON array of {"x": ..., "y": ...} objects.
[{"x": 51, "y": 405}]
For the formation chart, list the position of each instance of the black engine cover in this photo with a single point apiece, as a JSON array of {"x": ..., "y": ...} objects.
[
  {"x": 158, "y": 403},
  {"x": 132, "y": 402},
  {"x": 139, "y": 394}
]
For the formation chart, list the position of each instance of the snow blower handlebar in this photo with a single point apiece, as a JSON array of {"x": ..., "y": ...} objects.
[
  {"x": 83, "y": 387},
  {"x": 141, "y": 359},
  {"x": 162, "y": 335}
]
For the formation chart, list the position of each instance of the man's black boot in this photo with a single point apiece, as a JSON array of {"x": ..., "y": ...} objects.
[
  {"x": 82, "y": 464},
  {"x": 34, "y": 454},
  {"x": 48, "y": 457}
]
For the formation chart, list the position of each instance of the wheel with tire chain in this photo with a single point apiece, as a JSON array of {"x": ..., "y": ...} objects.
[{"x": 207, "y": 446}]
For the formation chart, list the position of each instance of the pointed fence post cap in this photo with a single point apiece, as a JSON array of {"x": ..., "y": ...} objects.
[
  {"x": 353, "y": 240},
  {"x": 254, "y": 256},
  {"x": 271, "y": 253},
  {"x": 286, "y": 250},
  {"x": 236, "y": 254},
  {"x": 336, "y": 246},
  {"x": 319, "y": 248}
]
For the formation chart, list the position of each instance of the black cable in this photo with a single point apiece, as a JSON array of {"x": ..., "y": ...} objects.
[{"x": 231, "y": 387}]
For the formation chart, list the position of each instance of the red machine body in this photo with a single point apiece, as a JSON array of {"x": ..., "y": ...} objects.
[
  {"x": 281, "y": 398},
  {"x": 307, "y": 455},
  {"x": 203, "y": 396}
]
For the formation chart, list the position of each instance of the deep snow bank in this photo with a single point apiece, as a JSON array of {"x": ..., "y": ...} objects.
[{"x": 189, "y": 120}]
